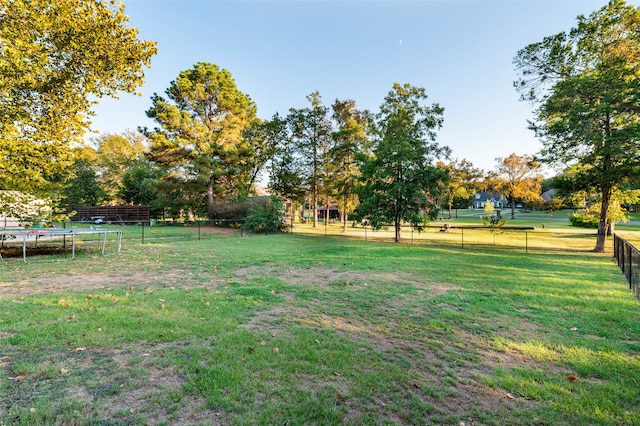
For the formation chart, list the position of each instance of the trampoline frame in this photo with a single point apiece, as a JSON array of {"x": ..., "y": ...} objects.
[{"x": 25, "y": 233}]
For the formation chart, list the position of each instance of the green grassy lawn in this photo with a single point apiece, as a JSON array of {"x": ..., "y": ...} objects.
[{"x": 307, "y": 329}]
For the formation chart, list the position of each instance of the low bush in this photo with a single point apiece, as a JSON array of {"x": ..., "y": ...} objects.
[
  {"x": 583, "y": 221},
  {"x": 266, "y": 219}
]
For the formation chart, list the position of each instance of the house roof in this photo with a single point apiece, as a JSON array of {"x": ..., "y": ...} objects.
[
  {"x": 486, "y": 196},
  {"x": 547, "y": 195}
]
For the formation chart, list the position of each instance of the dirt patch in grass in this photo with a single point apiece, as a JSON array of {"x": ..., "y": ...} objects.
[
  {"x": 320, "y": 277},
  {"x": 124, "y": 384},
  {"x": 60, "y": 282}
]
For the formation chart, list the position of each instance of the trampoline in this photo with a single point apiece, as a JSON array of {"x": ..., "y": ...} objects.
[{"x": 28, "y": 234}]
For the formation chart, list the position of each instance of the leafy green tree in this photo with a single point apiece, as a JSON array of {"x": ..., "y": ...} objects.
[
  {"x": 495, "y": 224},
  {"x": 262, "y": 136},
  {"x": 115, "y": 155},
  {"x": 139, "y": 187},
  {"x": 285, "y": 174},
  {"x": 311, "y": 130},
  {"x": 518, "y": 178},
  {"x": 399, "y": 179},
  {"x": 56, "y": 59},
  {"x": 586, "y": 84},
  {"x": 349, "y": 140},
  {"x": 84, "y": 188},
  {"x": 200, "y": 143},
  {"x": 464, "y": 181}
]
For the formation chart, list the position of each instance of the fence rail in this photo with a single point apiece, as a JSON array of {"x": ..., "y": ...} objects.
[{"x": 628, "y": 258}]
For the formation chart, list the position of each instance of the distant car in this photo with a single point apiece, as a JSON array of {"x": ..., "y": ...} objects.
[{"x": 98, "y": 219}]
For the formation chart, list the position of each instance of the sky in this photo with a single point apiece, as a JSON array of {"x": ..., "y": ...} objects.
[{"x": 460, "y": 51}]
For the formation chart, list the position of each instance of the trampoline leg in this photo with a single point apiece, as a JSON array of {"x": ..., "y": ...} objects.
[{"x": 104, "y": 243}]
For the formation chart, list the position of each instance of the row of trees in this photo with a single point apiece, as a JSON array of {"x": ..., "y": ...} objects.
[{"x": 209, "y": 144}]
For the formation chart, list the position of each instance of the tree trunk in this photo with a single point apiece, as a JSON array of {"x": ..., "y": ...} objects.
[
  {"x": 314, "y": 200},
  {"x": 398, "y": 229},
  {"x": 210, "y": 206},
  {"x": 604, "y": 219},
  {"x": 326, "y": 212},
  {"x": 513, "y": 208},
  {"x": 344, "y": 220}
]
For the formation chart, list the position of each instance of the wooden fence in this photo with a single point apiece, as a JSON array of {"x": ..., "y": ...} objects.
[{"x": 114, "y": 214}]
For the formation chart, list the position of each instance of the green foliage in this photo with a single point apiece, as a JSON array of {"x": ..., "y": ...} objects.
[
  {"x": 495, "y": 223},
  {"x": 116, "y": 154},
  {"x": 311, "y": 139},
  {"x": 399, "y": 178},
  {"x": 584, "y": 219},
  {"x": 518, "y": 178},
  {"x": 238, "y": 209},
  {"x": 488, "y": 209},
  {"x": 52, "y": 73},
  {"x": 285, "y": 174},
  {"x": 200, "y": 144},
  {"x": 267, "y": 219},
  {"x": 589, "y": 217},
  {"x": 464, "y": 181},
  {"x": 84, "y": 188},
  {"x": 138, "y": 186},
  {"x": 585, "y": 84},
  {"x": 349, "y": 141}
]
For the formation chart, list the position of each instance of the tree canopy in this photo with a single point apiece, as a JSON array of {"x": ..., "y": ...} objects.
[
  {"x": 56, "y": 59},
  {"x": 464, "y": 181},
  {"x": 586, "y": 85},
  {"x": 200, "y": 143},
  {"x": 400, "y": 179},
  {"x": 311, "y": 136},
  {"x": 349, "y": 141},
  {"x": 518, "y": 178}
]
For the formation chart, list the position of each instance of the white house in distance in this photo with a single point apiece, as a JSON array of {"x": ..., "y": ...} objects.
[{"x": 480, "y": 199}]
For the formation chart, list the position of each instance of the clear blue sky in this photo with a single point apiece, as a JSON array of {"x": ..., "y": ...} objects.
[{"x": 461, "y": 52}]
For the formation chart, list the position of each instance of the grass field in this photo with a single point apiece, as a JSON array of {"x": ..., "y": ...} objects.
[{"x": 308, "y": 329}]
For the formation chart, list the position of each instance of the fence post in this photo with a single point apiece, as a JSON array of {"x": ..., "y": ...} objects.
[
  {"x": 142, "y": 233},
  {"x": 630, "y": 276}
]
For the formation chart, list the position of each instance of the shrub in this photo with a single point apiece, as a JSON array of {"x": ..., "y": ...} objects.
[
  {"x": 582, "y": 220},
  {"x": 265, "y": 219},
  {"x": 233, "y": 213}
]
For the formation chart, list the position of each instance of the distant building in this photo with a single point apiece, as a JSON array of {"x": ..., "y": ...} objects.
[
  {"x": 548, "y": 195},
  {"x": 480, "y": 200}
]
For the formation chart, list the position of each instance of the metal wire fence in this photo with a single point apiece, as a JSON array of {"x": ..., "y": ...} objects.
[
  {"x": 628, "y": 258},
  {"x": 460, "y": 236},
  {"x": 520, "y": 239}
]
